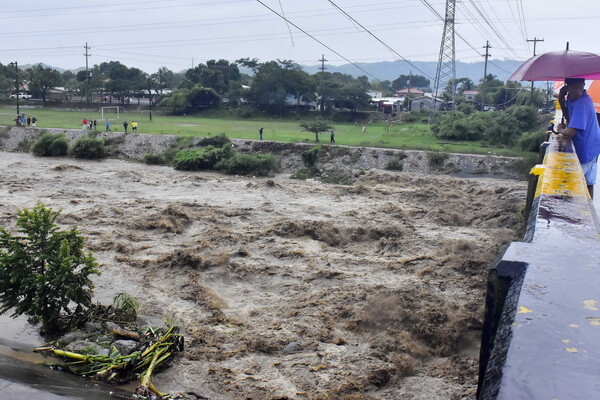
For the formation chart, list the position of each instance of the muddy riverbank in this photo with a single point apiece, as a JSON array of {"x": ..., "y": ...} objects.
[{"x": 290, "y": 289}]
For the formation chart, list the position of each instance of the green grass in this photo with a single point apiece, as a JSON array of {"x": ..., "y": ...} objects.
[{"x": 412, "y": 136}]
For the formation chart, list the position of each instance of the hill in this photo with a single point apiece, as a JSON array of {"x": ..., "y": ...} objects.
[{"x": 390, "y": 70}]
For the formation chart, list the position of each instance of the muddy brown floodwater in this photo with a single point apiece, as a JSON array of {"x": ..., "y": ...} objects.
[{"x": 290, "y": 289}]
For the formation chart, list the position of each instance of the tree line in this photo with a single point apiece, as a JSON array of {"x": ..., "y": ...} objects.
[{"x": 274, "y": 87}]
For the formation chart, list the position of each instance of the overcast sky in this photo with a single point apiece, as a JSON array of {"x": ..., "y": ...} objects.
[{"x": 179, "y": 34}]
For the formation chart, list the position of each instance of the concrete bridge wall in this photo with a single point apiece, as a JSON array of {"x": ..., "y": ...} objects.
[{"x": 541, "y": 337}]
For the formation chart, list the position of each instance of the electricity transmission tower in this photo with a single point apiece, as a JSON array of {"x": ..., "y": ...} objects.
[{"x": 446, "y": 71}]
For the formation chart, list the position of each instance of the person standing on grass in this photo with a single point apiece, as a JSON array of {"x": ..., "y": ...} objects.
[
  {"x": 582, "y": 127},
  {"x": 84, "y": 124},
  {"x": 107, "y": 125},
  {"x": 332, "y": 137},
  {"x": 125, "y": 125},
  {"x": 260, "y": 132}
]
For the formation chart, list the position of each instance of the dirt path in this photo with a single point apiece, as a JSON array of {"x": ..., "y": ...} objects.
[{"x": 378, "y": 287}]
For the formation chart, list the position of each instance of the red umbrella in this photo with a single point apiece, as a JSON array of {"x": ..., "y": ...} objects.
[{"x": 558, "y": 65}]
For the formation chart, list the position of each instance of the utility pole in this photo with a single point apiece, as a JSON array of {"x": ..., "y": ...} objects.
[
  {"x": 446, "y": 70},
  {"x": 18, "y": 121},
  {"x": 321, "y": 83},
  {"x": 487, "y": 47},
  {"x": 408, "y": 104},
  {"x": 534, "y": 40},
  {"x": 87, "y": 73},
  {"x": 150, "y": 97}
]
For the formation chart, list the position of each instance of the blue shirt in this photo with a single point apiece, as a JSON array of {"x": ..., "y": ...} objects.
[{"x": 584, "y": 120}]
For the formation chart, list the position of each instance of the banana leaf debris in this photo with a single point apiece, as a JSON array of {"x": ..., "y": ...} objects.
[{"x": 155, "y": 351}]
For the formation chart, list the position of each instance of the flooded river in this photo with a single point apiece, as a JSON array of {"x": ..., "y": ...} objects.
[{"x": 378, "y": 285}]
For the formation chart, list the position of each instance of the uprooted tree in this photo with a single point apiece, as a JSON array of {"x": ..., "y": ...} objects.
[{"x": 44, "y": 271}]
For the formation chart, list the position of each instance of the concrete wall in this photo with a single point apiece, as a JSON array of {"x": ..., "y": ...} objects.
[{"x": 542, "y": 321}]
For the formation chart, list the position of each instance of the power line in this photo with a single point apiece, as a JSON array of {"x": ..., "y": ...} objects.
[
  {"x": 315, "y": 39},
  {"x": 379, "y": 40}
]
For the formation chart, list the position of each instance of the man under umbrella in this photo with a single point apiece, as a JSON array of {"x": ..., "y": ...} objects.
[{"x": 582, "y": 127}]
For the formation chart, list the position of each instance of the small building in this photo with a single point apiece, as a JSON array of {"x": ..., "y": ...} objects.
[
  {"x": 388, "y": 105},
  {"x": 375, "y": 94},
  {"x": 426, "y": 102},
  {"x": 414, "y": 92},
  {"x": 470, "y": 94}
]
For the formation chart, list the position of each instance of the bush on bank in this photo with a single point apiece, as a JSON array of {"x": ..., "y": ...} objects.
[
  {"x": 248, "y": 164},
  {"x": 50, "y": 145},
  {"x": 89, "y": 147},
  {"x": 203, "y": 158}
]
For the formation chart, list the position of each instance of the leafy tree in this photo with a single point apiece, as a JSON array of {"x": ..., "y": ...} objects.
[
  {"x": 200, "y": 98},
  {"x": 176, "y": 101},
  {"x": 7, "y": 79},
  {"x": 488, "y": 89},
  {"x": 184, "y": 101},
  {"x": 44, "y": 270},
  {"x": 316, "y": 127},
  {"x": 163, "y": 79},
  {"x": 274, "y": 80},
  {"x": 96, "y": 81},
  {"x": 121, "y": 80},
  {"x": 41, "y": 79},
  {"x": 218, "y": 75},
  {"x": 385, "y": 87},
  {"x": 342, "y": 91},
  {"x": 248, "y": 63},
  {"x": 402, "y": 82}
]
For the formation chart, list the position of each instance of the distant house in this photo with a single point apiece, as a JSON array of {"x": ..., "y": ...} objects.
[
  {"x": 298, "y": 103},
  {"x": 57, "y": 93},
  {"x": 375, "y": 94},
  {"x": 426, "y": 102},
  {"x": 414, "y": 92},
  {"x": 470, "y": 94},
  {"x": 388, "y": 105}
]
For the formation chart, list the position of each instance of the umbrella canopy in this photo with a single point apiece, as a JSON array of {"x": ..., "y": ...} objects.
[{"x": 558, "y": 65}]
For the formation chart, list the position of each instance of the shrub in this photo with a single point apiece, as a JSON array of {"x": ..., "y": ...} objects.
[
  {"x": 247, "y": 164},
  {"x": 43, "y": 270},
  {"x": 303, "y": 174},
  {"x": 89, "y": 147},
  {"x": 202, "y": 158},
  {"x": 154, "y": 159},
  {"x": 24, "y": 146},
  {"x": 217, "y": 141},
  {"x": 531, "y": 141},
  {"x": 437, "y": 159},
  {"x": 127, "y": 304},
  {"x": 50, "y": 145},
  {"x": 311, "y": 156},
  {"x": 395, "y": 164},
  {"x": 337, "y": 177}
]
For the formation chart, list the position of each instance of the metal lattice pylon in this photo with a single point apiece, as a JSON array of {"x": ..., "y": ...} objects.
[{"x": 446, "y": 70}]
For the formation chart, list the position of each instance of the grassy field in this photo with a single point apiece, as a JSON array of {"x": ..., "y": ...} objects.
[{"x": 414, "y": 136}]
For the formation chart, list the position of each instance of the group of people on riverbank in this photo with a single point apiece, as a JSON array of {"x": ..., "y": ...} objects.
[
  {"x": 25, "y": 120},
  {"x": 89, "y": 124}
]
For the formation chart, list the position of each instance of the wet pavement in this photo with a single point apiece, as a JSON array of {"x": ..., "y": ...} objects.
[
  {"x": 16, "y": 391},
  {"x": 22, "y": 377}
]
